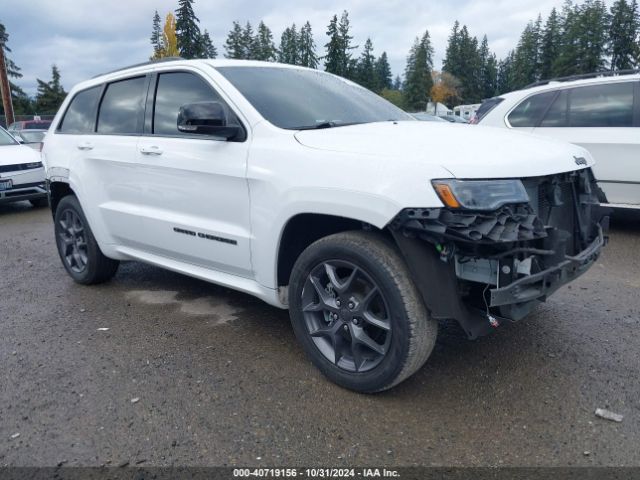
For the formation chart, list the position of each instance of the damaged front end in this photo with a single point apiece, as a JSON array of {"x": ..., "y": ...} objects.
[{"x": 481, "y": 266}]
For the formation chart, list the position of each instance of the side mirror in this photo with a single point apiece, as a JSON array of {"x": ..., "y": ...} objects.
[{"x": 205, "y": 118}]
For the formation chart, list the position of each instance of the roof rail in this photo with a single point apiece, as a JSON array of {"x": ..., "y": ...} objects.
[
  {"x": 584, "y": 76},
  {"x": 150, "y": 62}
]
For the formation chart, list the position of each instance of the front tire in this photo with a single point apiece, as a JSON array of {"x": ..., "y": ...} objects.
[
  {"x": 77, "y": 247},
  {"x": 357, "y": 313}
]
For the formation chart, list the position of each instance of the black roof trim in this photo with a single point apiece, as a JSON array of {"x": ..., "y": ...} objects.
[
  {"x": 584, "y": 76},
  {"x": 142, "y": 64}
]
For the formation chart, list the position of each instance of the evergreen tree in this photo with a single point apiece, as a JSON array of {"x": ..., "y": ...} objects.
[
  {"x": 332, "y": 59},
  {"x": 384, "y": 79},
  {"x": 264, "y": 47},
  {"x": 418, "y": 79},
  {"x": 187, "y": 30},
  {"x": 365, "y": 74},
  {"x": 527, "y": 54},
  {"x": 289, "y": 52},
  {"x": 397, "y": 83},
  {"x": 488, "y": 75},
  {"x": 156, "y": 36},
  {"x": 50, "y": 95},
  {"x": 549, "y": 44},
  {"x": 451, "y": 62},
  {"x": 568, "y": 60},
  {"x": 307, "y": 47},
  {"x": 594, "y": 21},
  {"x": 462, "y": 60},
  {"x": 505, "y": 74},
  {"x": 234, "y": 44},
  {"x": 338, "y": 58},
  {"x": 623, "y": 31},
  {"x": 249, "y": 43},
  {"x": 207, "y": 48}
]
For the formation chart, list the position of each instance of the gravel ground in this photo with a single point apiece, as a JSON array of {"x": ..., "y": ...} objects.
[{"x": 193, "y": 374}]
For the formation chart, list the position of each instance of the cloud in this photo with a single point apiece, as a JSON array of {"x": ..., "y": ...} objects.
[{"x": 85, "y": 38}]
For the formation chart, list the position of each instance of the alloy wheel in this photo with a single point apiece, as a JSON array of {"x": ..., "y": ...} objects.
[{"x": 346, "y": 315}]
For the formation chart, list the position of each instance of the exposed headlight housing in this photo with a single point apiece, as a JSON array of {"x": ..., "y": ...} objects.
[{"x": 480, "y": 194}]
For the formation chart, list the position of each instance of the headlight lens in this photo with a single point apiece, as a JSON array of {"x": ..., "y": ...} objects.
[{"x": 480, "y": 194}]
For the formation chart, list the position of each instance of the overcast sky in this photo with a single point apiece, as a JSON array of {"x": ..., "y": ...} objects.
[{"x": 87, "y": 37}]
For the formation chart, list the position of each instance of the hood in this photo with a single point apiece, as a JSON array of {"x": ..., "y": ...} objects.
[
  {"x": 467, "y": 151},
  {"x": 14, "y": 154}
]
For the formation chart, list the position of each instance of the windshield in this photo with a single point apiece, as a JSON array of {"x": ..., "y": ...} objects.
[
  {"x": 299, "y": 99},
  {"x": 5, "y": 138},
  {"x": 33, "y": 136}
]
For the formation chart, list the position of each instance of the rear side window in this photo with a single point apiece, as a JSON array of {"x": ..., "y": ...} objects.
[
  {"x": 609, "y": 105},
  {"x": 80, "y": 116},
  {"x": 531, "y": 110},
  {"x": 122, "y": 107},
  {"x": 557, "y": 114}
]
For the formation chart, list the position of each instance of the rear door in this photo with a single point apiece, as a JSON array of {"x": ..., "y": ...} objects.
[
  {"x": 604, "y": 119},
  {"x": 191, "y": 194}
]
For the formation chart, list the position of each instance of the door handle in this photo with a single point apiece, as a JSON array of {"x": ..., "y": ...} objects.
[
  {"x": 151, "y": 150},
  {"x": 85, "y": 146}
]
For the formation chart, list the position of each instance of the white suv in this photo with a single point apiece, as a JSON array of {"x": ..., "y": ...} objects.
[
  {"x": 316, "y": 195},
  {"x": 601, "y": 114}
]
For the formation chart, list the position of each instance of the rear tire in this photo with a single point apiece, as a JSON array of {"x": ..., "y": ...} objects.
[
  {"x": 357, "y": 313},
  {"x": 77, "y": 247}
]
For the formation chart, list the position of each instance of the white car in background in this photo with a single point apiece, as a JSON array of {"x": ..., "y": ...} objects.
[
  {"x": 601, "y": 114},
  {"x": 22, "y": 175}
]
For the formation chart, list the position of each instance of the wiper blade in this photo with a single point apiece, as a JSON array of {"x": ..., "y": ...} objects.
[{"x": 322, "y": 125}]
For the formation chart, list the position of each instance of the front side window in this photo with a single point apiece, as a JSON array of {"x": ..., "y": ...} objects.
[
  {"x": 530, "y": 111},
  {"x": 80, "y": 116},
  {"x": 299, "y": 99},
  {"x": 175, "y": 89},
  {"x": 122, "y": 106}
]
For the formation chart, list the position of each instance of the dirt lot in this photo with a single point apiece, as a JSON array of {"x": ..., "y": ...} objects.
[{"x": 220, "y": 380}]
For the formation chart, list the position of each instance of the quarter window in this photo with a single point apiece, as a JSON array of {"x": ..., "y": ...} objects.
[
  {"x": 80, "y": 117},
  {"x": 530, "y": 111},
  {"x": 121, "y": 109}
]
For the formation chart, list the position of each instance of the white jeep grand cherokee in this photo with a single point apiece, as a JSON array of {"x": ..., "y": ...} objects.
[{"x": 316, "y": 195}]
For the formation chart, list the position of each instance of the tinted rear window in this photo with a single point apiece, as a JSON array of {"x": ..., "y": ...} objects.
[
  {"x": 80, "y": 117},
  {"x": 122, "y": 106},
  {"x": 530, "y": 111},
  {"x": 486, "y": 107}
]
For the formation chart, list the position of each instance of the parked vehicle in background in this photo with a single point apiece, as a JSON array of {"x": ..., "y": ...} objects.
[
  {"x": 466, "y": 112},
  {"x": 600, "y": 113},
  {"x": 425, "y": 117},
  {"x": 31, "y": 138},
  {"x": 35, "y": 124},
  {"x": 314, "y": 194},
  {"x": 22, "y": 174},
  {"x": 453, "y": 119}
]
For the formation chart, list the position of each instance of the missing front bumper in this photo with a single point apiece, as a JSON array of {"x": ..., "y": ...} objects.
[{"x": 517, "y": 256}]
